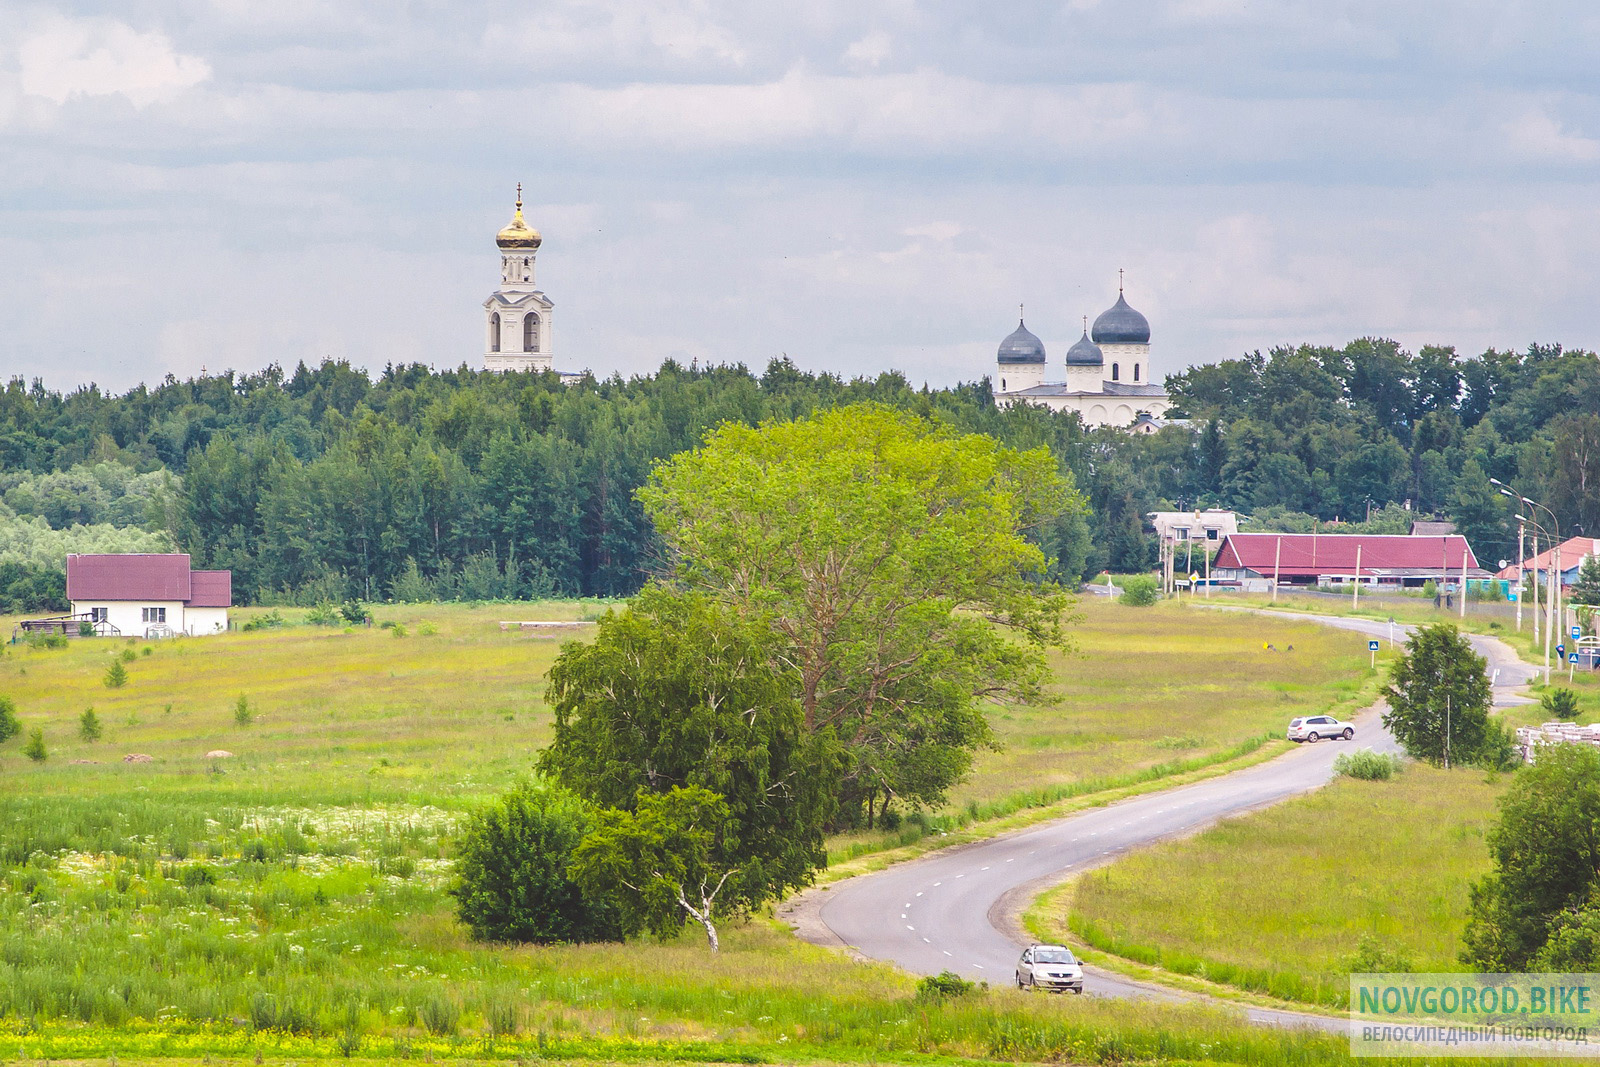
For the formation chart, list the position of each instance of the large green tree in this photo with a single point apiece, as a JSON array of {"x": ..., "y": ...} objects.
[
  {"x": 1546, "y": 853},
  {"x": 679, "y": 691},
  {"x": 1439, "y": 698},
  {"x": 890, "y": 555}
]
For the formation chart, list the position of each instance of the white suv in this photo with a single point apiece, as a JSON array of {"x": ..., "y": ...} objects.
[
  {"x": 1314, "y": 728},
  {"x": 1049, "y": 967}
]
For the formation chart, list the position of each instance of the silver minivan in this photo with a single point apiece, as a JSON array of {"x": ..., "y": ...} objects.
[{"x": 1314, "y": 728}]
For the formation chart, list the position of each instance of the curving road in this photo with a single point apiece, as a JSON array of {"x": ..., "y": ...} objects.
[{"x": 956, "y": 909}]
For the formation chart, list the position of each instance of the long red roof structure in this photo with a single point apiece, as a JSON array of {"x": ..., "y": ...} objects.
[{"x": 1310, "y": 555}]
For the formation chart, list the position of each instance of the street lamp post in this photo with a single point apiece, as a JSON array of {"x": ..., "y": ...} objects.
[{"x": 1550, "y": 617}]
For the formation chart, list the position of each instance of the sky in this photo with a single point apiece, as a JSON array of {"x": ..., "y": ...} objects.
[{"x": 858, "y": 185}]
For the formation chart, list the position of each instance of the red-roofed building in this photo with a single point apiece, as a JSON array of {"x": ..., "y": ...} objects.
[
  {"x": 1390, "y": 560},
  {"x": 149, "y": 594},
  {"x": 1574, "y": 550}
]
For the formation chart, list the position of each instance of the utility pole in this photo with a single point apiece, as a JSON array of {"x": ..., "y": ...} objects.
[
  {"x": 1355, "y": 596},
  {"x": 1522, "y": 530},
  {"x": 1464, "y": 550},
  {"x": 1277, "y": 558}
]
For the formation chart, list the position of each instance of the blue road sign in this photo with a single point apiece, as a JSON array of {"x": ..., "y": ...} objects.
[
  {"x": 1572, "y": 658},
  {"x": 1372, "y": 646},
  {"x": 1560, "y": 649},
  {"x": 1576, "y": 633}
]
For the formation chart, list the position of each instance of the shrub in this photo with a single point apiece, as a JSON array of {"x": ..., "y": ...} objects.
[
  {"x": 127, "y": 655},
  {"x": 1559, "y": 705},
  {"x": 1430, "y": 588},
  {"x": 116, "y": 675},
  {"x": 89, "y": 726},
  {"x": 512, "y": 871},
  {"x": 86, "y": 629},
  {"x": 1367, "y": 765},
  {"x": 942, "y": 985},
  {"x": 242, "y": 715},
  {"x": 1373, "y": 957},
  {"x": 324, "y": 615},
  {"x": 1140, "y": 591},
  {"x": 427, "y": 629},
  {"x": 35, "y": 749},
  {"x": 355, "y": 613},
  {"x": 398, "y": 630},
  {"x": 9, "y": 726},
  {"x": 266, "y": 621}
]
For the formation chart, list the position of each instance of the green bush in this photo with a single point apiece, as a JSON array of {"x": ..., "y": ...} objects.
[
  {"x": 1367, "y": 765},
  {"x": 9, "y": 726},
  {"x": 1559, "y": 705},
  {"x": 242, "y": 715},
  {"x": 1430, "y": 588},
  {"x": 324, "y": 615},
  {"x": 89, "y": 728},
  {"x": 1140, "y": 591},
  {"x": 942, "y": 985},
  {"x": 116, "y": 675},
  {"x": 266, "y": 621},
  {"x": 512, "y": 871},
  {"x": 35, "y": 749}
]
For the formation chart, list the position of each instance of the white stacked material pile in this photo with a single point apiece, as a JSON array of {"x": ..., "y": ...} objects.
[{"x": 1529, "y": 738}]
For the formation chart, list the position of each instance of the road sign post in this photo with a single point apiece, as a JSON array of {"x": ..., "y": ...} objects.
[
  {"x": 1372, "y": 646},
  {"x": 1572, "y": 665}
]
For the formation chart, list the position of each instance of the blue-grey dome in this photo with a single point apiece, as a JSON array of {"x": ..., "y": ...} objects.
[
  {"x": 1121, "y": 325},
  {"x": 1085, "y": 353},
  {"x": 1021, "y": 347}
]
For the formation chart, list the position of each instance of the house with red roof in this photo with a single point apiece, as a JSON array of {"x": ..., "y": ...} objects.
[
  {"x": 1574, "y": 550},
  {"x": 148, "y": 594},
  {"x": 1384, "y": 560}
]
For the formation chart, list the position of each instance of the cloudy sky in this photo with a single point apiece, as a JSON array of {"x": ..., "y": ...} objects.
[{"x": 858, "y": 184}]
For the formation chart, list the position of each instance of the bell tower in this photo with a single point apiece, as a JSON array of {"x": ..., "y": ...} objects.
[{"x": 517, "y": 315}]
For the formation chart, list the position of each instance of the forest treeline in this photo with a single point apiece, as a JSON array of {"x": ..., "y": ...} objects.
[{"x": 328, "y": 483}]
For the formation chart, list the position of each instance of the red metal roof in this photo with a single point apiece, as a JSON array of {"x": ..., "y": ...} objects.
[
  {"x": 1308, "y": 555},
  {"x": 211, "y": 589},
  {"x": 128, "y": 576}
]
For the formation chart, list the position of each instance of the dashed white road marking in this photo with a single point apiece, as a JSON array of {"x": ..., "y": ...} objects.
[
  {"x": 938, "y": 883},
  {"x": 983, "y": 868},
  {"x": 919, "y": 894},
  {"x": 945, "y": 952}
]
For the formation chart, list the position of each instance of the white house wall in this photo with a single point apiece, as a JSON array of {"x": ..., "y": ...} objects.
[
  {"x": 128, "y": 616},
  {"x": 201, "y": 621}
]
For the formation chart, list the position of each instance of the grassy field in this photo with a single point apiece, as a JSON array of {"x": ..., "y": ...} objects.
[
  {"x": 1494, "y": 619},
  {"x": 1286, "y": 901},
  {"x": 291, "y": 899}
]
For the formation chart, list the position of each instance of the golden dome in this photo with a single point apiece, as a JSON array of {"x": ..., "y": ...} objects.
[{"x": 518, "y": 234}]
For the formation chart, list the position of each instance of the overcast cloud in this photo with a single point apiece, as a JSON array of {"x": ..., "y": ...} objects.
[{"x": 862, "y": 185}]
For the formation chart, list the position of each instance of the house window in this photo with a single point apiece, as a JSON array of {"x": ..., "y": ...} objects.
[
  {"x": 1116, "y": 372},
  {"x": 1180, "y": 533},
  {"x": 98, "y": 614},
  {"x": 155, "y": 614},
  {"x": 1211, "y": 534}
]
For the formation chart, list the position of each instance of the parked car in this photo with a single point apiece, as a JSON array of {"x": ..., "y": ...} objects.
[
  {"x": 1052, "y": 967},
  {"x": 1314, "y": 728}
]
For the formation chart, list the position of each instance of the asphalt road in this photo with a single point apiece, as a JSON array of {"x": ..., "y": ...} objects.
[{"x": 956, "y": 909}]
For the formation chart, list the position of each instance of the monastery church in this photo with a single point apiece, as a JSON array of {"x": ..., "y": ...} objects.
[{"x": 1107, "y": 374}]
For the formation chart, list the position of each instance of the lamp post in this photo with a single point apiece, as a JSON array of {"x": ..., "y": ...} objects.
[{"x": 1550, "y": 620}]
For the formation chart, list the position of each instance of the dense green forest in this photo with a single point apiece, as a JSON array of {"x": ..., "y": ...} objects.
[{"x": 327, "y": 483}]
